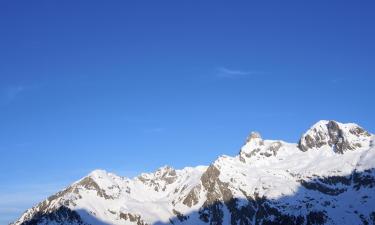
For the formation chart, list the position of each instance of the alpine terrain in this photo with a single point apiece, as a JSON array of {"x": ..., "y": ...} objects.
[{"x": 328, "y": 177}]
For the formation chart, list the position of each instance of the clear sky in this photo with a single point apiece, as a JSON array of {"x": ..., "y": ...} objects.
[{"x": 132, "y": 86}]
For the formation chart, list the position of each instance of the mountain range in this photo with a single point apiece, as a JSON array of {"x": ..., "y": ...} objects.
[{"x": 328, "y": 177}]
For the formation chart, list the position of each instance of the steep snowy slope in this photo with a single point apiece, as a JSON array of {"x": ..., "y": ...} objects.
[{"x": 327, "y": 178}]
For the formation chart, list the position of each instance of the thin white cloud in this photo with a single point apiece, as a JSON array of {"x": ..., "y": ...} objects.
[
  {"x": 11, "y": 92},
  {"x": 337, "y": 80},
  {"x": 223, "y": 72}
]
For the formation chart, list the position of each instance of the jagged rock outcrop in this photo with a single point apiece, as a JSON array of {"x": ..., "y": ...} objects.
[
  {"x": 256, "y": 148},
  {"x": 340, "y": 137},
  {"x": 163, "y": 177},
  {"x": 61, "y": 215}
]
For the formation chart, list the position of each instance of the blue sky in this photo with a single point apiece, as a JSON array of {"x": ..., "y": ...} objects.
[{"x": 131, "y": 86}]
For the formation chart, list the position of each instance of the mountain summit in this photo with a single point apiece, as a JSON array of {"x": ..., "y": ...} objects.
[
  {"x": 327, "y": 178},
  {"x": 340, "y": 137}
]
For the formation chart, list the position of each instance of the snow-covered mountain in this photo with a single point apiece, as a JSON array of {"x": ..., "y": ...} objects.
[{"x": 327, "y": 178}]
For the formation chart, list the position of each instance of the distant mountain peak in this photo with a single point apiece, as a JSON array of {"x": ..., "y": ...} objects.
[
  {"x": 254, "y": 140},
  {"x": 338, "y": 136},
  {"x": 256, "y": 148},
  {"x": 254, "y": 135},
  {"x": 98, "y": 173},
  {"x": 328, "y": 178}
]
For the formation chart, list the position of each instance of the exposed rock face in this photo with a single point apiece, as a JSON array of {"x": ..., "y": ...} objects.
[
  {"x": 273, "y": 148},
  {"x": 132, "y": 218},
  {"x": 90, "y": 184},
  {"x": 254, "y": 136},
  {"x": 163, "y": 177},
  {"x": 61, "y": 215},
  {"x": 336, "y": 138},
  {"x": 179, "y": 215},
  {"x": 340, "y": 137},
  {"x": 256, "y": 148},
  {"x": 193, "y": 197},
  {"x": 365, "y": 179},
  {"x": 331, "y": 181},
  {"x": 253, "y": 145},
  {"x": 217, "y": 193}
]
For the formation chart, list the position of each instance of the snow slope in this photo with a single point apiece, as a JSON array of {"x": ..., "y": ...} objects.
[{"x": 327, "y": 178}]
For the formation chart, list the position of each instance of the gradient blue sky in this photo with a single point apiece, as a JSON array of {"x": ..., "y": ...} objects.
[{"x": 131, "y": 86}]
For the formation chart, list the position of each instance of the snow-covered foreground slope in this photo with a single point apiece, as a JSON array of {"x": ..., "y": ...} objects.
[{"x": 327, "y": 178}]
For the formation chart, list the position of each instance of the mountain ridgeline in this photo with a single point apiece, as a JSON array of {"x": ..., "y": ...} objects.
[{"x": 328, "y": 177}]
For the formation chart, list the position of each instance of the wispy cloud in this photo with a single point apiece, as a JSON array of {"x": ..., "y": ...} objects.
[
  {"x": 11, "y": 92},
  {"x": 226, "y": 73},
  {"x": 338, "y": 80}
]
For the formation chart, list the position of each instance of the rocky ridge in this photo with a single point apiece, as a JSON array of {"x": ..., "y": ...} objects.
[{"x": 327, "y": 178}]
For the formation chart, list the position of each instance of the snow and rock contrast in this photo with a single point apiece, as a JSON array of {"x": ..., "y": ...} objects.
[
  {"x": 341, "y": 137},
  {"x": 327, "y": 178}
]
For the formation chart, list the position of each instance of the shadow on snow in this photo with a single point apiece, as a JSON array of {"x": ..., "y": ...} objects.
[{"x": 255, "y": 210}]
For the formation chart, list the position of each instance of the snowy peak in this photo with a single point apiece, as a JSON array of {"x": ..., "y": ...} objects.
[
  {"x": 159, "y": 180},
  {"x": 253, "y": 144},
  {"x": 337, "y": 136},
  {"x": 98, "y": 174},
  {"x": 254, "y": 136},
  {"x": 165, "y": 171},
  {"x": 253, "y": 141},
  {"x": 269, "y": 182},
  {"x": 256, "y": 148}
]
